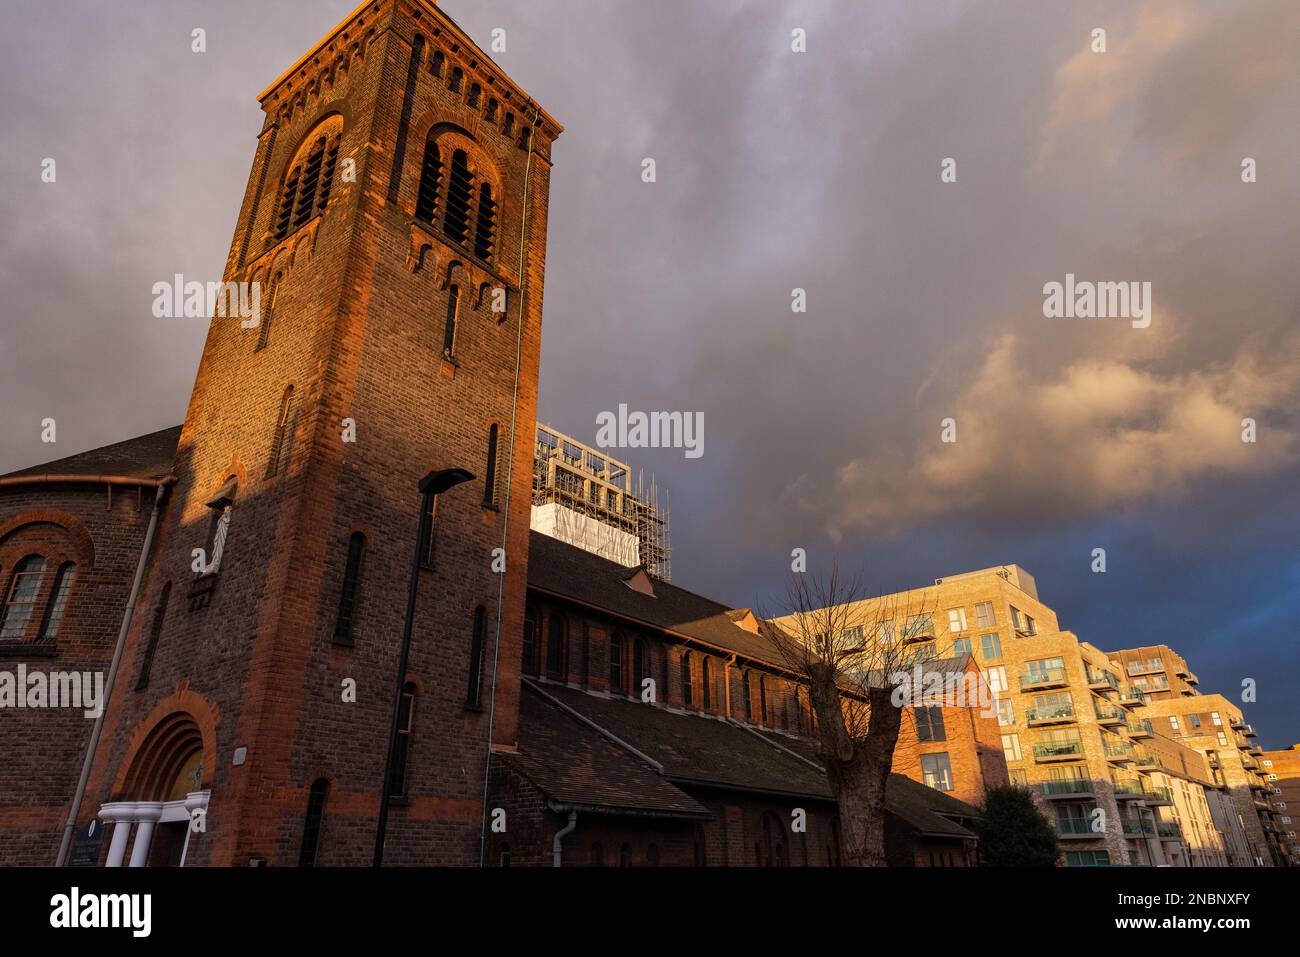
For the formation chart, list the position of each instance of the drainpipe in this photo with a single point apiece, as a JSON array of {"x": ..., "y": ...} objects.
[
  {"x": 560, "y": 835},
  {"x": 71, "y": 825}
]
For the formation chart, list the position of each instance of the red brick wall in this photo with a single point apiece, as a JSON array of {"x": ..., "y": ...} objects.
[{"x": 43, "y": 749}]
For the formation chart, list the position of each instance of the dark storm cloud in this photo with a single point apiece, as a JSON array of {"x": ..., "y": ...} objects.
[{"x": 776, "y": 171}]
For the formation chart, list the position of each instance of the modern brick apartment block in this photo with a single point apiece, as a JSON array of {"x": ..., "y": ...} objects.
[
  {"x": 1214, "y": 726},
  {"x": 1071, "y": 724},
  {"x": 1157, "y": 671},
  {"x": 395, "y": 217},
  {"x": 1282, "y": 770}
]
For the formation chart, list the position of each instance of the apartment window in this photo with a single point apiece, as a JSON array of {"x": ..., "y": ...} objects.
[
  {"x": 1044, "y": 669},
  {"x": 919, "y": 626},
  {"x": 687, "y": 692},
  {"x": 556, "y": 634},
  {"x": 956, "y": 619},
  {"x": 474, "y": 696},
  {"x": 851, "y": 637},
  {"x": 490, "y": 473},
  {"x": 312, "y": 822},
  {"x": 1194, "y": 720},
  {"x": 405, "y": 724},
  {"x": 1223, "y": 739},
  {"x": 24, "y": 584},
  {"x": 924, "y": 652},
  {"x": 449, "y": 328},
  {"x": 1217, "y": 721},
  {"x": 929, "y": 724},
  {"x": 991, "y": 645},
  {"x": 1017, "y": 619},
  {"x": 885, "y": 632},
  {"x": 1173, "y": 724},
  {"x": 1017, "y": 777},
  {"x": 67, "y": 574},
  {"x": 984, "y": 614},
  {"x": 1087, "y": 858},
  {"x": 155, "y": 633},
  {"x": 616, "y": 662},
  {"x": 937, "y": 771},
  {"x": 1030, "y": 626},
  {"x": 961, "y": 646},
  {"x": 997, "y": 677},
  {"x": 348, "y": 596},
  {"x": 1006, "y": 712},
  {"x": 1011, "y": 747}
]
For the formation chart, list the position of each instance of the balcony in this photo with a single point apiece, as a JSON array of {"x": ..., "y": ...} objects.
[
  {"x": 1236, "y": 723},
  {"x": 1213, "y": 761},
  {"x": 1054, "y": 714},
  {"x": 1159, "y": 795},
  {"x": 1043, "y": 678},
  {"x": 1139, "y": 729},
  {"x": 1133, "y": 697},
  {"x": 1108, "y": 713},
  {"x": 1067, "y": 789},
  {"x": 1133, "y": 827},
  {"x": 1148, "y": 761},
  {"x": 1075, "y": 829},
  {"x": 1058, "y": 751},
  {"x": 1102, "y": 680},
  {"x": 1241, "y": 742},
  {"x": 1121, "y": 753},
  {"x": 1129, "y": 791},
  {"x": 1249, "y": 731},
  {"x": 1192, "y": 679},
  {"x": 1154, "y": 666},
  {"x": 1169, "y": 831},
  {"x": 1181, "y": 669}
]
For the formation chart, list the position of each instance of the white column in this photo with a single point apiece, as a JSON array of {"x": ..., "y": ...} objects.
[
  {"x": 119, "y": 814},
  {"x": 194, "y": 801},
  {"x": 147, "y": 814}
]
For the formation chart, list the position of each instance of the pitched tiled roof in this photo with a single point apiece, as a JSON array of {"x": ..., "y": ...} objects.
[
  {"x": 574, "y": 764},
  {"x": 696, "y": 751},
  {"x": 145, "y": 457},
  {"x": 562, "y": 569}
]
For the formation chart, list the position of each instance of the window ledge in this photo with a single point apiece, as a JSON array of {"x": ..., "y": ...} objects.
[{"x": 27, "y": 649}]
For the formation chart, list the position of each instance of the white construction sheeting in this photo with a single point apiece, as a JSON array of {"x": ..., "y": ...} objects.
[{"x": 587, "y": 533}]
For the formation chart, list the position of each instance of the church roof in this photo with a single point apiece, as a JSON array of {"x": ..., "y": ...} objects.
[
  {"x": 144, "y": 457},
  {"x": 563, "y": 753},
  {"x": 566, "y": 570}
]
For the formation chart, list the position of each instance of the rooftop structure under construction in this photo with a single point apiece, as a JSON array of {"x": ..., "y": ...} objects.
[{"x": 586, "y": 498}]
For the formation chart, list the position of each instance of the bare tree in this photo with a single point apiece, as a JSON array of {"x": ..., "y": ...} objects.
[{"x": 853, "y": 652}]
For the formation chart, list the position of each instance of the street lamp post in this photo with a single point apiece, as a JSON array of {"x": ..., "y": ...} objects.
[{"x": 432, "y": 485}]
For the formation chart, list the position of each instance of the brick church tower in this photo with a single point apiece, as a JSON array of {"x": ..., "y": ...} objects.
[{"x": 395, "y": 221}]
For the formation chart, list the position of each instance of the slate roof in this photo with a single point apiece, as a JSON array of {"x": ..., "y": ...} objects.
[
  {"x": 573, "y": 763},
  {"x": 145, "y": 457},
  {"x": 557, "y": 567}
]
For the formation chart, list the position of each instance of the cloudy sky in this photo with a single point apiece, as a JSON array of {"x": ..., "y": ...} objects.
[{"x": 779, "y": 170}]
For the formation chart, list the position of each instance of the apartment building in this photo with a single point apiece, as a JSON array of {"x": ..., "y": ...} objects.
[
  {"x": 1216, "y": 727},
  {"x": 1282, "y": 770},
  {"x": 1157, "y": 671},
  {"x": 1072, "y": 723}
]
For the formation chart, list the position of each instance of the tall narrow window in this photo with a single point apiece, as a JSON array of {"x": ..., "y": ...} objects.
[
  {"x": 288, "y": 196},
  {"x": 508, "y": 125},
  {"x": 267, "y": 310},
  {"x": 530, "y": 641},
  {"x": 308, "y": 185},
  {"x": 640, "y": 667},
  {"x": 746, "y": 692},
  {"x": 23, "y": 587},
  {"x": 762, "y": 699},
  {"x": 706, "y": 683},
  {"x": 555, "y": 646},
  {"x": 597, "y": 855},
  {"x": 426, "y": 201},
  {"x": 625, "y": 856},
  {"x": 486, "y": 224},
  {"x": 491, "y": 114},
  {"x": 475, "y": 91},
  {"x": 449, "y": 330},
  {"x": 430, "y": 532},
  {"x": 155, "y": 633},
  {"x": 437, "y": 62},
  {"x": 405, "y": 724},
  {"x": 616, "y": 663},
  {"x": 58, "y": 601},
  {"x": 327, "y": 175},
  {"x": 460, "y": 187},
  {"x": 490, "y": 473},
  {"x": 798, "y": 708},
  {"x": 348, "y": 597},
  {"x": 688, "y": 697},
  {"x": 283, "y": 435},
  {"x": 311, "y": 825},
  {"x": 474, "y": 698},
  {"x": 457, "y": 77}
]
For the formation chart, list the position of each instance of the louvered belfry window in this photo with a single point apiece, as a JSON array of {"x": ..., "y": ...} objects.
[
  {"x": 426, "y": 203},
  {"x": 485, "y": 228},
  {"x": 460, "y": 188}
]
